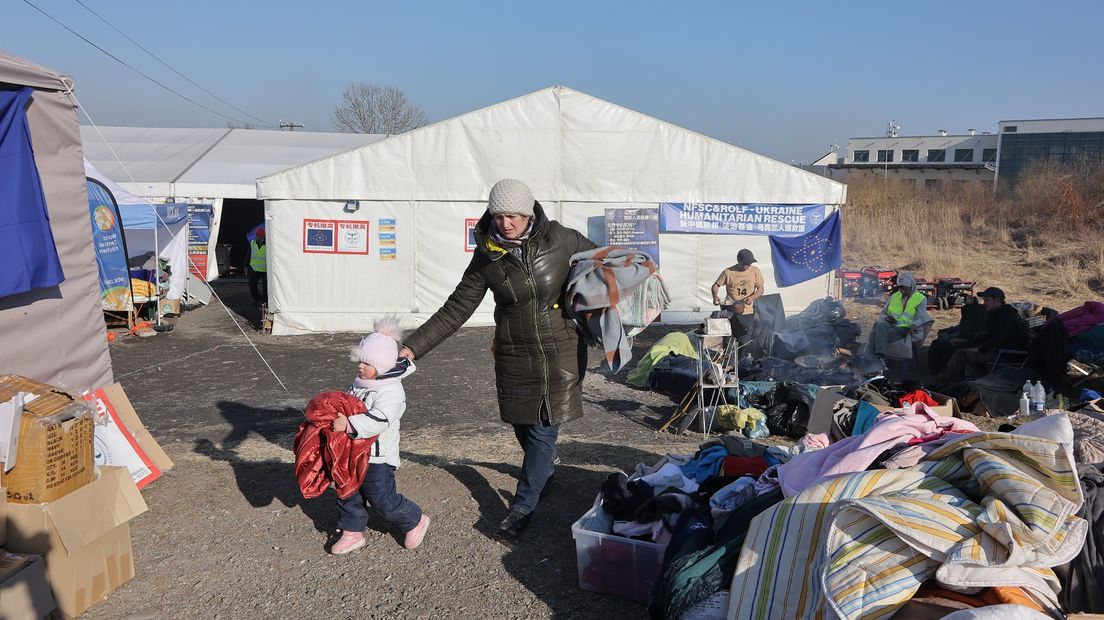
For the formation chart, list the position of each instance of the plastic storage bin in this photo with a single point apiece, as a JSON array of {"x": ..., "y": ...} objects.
[{"x": 611, "y": 564}]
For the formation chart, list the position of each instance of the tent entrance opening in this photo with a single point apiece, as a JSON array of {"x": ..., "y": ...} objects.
[{"x": 239, "y": 216}]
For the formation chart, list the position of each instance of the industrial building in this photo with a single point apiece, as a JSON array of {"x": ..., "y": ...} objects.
[{"x": 943, "y": 161}]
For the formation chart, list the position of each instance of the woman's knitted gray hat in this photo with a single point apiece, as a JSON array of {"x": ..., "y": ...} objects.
[{"x": 511, "y": 197}]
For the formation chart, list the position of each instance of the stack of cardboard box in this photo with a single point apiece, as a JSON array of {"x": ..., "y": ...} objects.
[{"x": 63, "y": 507}]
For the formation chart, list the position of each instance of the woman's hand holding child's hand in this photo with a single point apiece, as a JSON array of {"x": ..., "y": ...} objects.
[
  {"x": 407, "y": 353},
  {"x": 341, "y": 424}
]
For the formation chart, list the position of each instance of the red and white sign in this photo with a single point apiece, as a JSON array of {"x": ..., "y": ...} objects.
[
  {"x": 115, "y": 445},
  {"x": 335, "y": 236},
  {"x": 469, "y": 233},
  {"x": 352, "y": 237}
]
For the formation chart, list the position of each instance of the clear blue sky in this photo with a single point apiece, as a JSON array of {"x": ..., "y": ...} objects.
[{"x": 783, "y": 79}]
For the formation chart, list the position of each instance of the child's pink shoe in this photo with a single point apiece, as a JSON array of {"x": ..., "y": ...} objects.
[
  {"x": 414, "y": 537},
  {"x": 348, "y": 543}
]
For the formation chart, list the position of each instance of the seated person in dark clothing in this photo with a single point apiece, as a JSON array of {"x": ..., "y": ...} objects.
[
  {"x": 1005, "y": 332},
  {"x": 972, "y": 330}
]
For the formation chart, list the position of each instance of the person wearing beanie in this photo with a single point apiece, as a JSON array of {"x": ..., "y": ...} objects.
[
  {"x": 1005, "y": 330},
  {"x": 743, "y": 284},
  {"x": 258, "y": 268},
  {"x": 904, "y": 315},
  {"x": 523, "y": 258},
  {"x": 378, "y": 384}
]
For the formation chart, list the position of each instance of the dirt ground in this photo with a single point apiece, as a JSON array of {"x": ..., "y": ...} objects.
[{"x": 228, "y": 535}]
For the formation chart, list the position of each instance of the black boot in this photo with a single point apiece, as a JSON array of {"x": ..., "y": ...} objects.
[{"x": 514, "y": 523}]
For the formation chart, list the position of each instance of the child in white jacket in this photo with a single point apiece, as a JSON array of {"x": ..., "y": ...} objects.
[{"x": 378, "y": 384}]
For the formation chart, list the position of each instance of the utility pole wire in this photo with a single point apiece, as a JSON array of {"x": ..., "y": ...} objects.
[
  {"x": 122, "y": 62},
  {"x": 170, "y": 68}
]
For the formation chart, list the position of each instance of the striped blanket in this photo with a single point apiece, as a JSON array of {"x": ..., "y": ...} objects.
[
  {"x": 610, "y": 289},
  {"x": 987, "y": 509}
]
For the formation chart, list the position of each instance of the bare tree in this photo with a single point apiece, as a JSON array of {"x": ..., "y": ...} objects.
[{"x": 372, "y": 108}]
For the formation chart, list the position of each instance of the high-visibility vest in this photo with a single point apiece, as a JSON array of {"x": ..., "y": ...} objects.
[
  {"x": 904, "y": 313},
  {"x": 258, "y": 256}
]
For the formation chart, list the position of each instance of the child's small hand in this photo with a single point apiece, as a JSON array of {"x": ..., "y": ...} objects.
[{"x": 341, "y": 424}]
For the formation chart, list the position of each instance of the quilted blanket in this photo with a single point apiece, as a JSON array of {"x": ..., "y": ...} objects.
[{"x": 986, "y": 509}]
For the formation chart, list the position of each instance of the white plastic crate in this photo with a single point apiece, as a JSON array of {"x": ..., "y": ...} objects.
[{"x": 612, "y": 564}]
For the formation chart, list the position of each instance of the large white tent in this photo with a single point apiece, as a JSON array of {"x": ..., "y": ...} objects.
[
  {"x": 417, "y": 191},
  {"x": 204, "y": 165}
]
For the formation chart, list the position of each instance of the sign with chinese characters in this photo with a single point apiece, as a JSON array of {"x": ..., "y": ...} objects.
[
  {"x": 199, "y": 236},
  {"x": 637, "y": 229},
  {"x": 318, "y": 236},
  {"x": 739, "y": 218},
  {"x": 387, "y": 239},
  {"x": 352, "y": 237},
  {"x": 335, "y": 236}
]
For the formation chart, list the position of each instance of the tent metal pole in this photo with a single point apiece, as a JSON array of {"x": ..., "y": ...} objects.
[{"x": 157, "y": 261}]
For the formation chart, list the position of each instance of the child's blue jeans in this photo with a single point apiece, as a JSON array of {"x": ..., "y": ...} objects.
[{"x": 378, "y": 489}]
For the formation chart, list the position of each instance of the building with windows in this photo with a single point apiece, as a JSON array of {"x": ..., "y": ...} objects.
[
  {"x": 925, "y": 162},
  {"x": 1065, "y": 142},
  {"x": 944, "y": 161}
]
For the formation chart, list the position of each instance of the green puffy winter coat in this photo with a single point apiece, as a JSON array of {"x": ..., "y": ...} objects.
[{"x": 539, "y": 357}]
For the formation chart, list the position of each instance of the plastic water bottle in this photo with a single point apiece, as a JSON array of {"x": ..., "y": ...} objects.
[{"x": 1038, "y": 398}]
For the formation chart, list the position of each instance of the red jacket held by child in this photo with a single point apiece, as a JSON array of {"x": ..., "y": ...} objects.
[{"x": 322, "y": 454}]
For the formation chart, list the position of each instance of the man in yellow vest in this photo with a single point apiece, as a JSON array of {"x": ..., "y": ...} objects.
[
  {"x": 258, "y": 268},
  {"x": 904, "y": 312}
]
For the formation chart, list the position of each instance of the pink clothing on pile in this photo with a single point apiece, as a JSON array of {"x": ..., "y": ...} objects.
[
  {"x": 1082, "y": 318},
  {"x": 892, "y": 428},
  {"x": 815, "y": 441}
]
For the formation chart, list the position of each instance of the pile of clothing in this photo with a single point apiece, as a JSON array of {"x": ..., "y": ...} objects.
[{"x": 916, "y": 513}]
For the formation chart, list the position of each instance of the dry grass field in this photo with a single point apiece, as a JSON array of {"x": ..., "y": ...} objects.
[{"x": 1042, "y": 243}]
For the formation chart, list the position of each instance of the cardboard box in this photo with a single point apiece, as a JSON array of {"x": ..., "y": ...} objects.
[
  {"x": 3, "y": 516},
  {"x": 55, "y": 453},
  {"x": 84, "y": 537},
  {"x": 124, "y": 441},
  {"x": 947, "y": 406},
  {"x": 24, "y": 593}
]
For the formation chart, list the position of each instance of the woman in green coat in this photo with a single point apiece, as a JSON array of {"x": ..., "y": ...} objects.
[{"x": 522, "y": 257}]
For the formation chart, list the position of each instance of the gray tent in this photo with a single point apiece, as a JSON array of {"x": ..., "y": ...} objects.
[{"x": 57, "y": 334}]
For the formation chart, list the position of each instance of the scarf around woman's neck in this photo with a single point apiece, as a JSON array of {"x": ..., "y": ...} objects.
[{"x": 498, "y": 237}]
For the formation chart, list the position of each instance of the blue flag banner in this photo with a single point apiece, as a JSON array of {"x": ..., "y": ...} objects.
[
  {"x": 107, "y": 241},
  {"x": 797, "y": 259},
  {"x": 728, "y": 218},
  {"x": 27, "y": 251}
]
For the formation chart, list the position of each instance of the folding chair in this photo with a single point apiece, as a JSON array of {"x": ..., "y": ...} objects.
[{"x": 1010, "y": 358}]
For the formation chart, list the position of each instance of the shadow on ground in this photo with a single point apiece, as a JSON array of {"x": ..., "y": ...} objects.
[
  {"x": 262, "y": 480},
  {"x": 549, "y": 532},
  {"x": 234, "y": 292}
]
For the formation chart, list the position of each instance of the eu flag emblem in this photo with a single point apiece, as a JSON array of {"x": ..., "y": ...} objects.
[
  {"x": 320, "y": 238},
  {"x": 801, "y": 258}
]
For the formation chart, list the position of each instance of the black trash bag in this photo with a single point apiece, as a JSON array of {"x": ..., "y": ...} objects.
[
  {"x": 789, "y": 415},
  {"x": 818, "y": 312}
]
